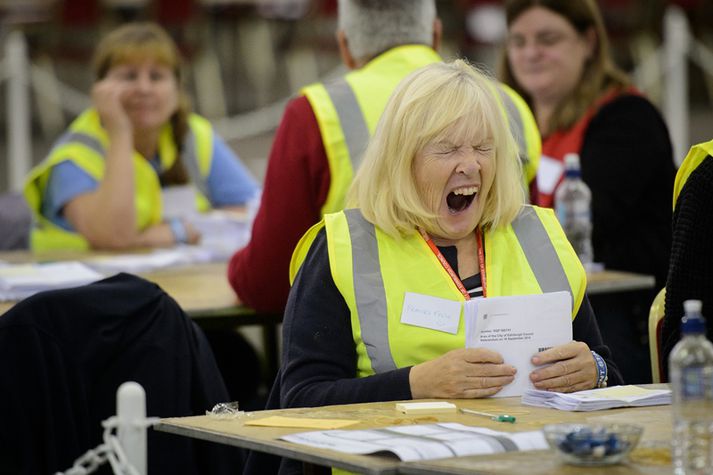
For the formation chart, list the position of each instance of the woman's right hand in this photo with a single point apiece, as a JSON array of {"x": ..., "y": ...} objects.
[
  {"x": 461, "y": 374},
  {"x": 107, "y": 97}
]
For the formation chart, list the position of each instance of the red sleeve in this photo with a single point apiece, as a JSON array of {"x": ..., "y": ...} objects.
[{"x": 295, "y": 189}]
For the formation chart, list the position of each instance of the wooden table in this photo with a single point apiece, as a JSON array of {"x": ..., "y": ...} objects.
[
  {"x": 202, "y": 290},
  {"x": 652, "y": 456},
  {"x": 610, "y": 281}
]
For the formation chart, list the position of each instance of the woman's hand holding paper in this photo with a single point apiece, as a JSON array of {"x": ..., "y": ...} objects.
[
  {"x": 570, "y": 368},
  {"x": 461, "y": 373}
]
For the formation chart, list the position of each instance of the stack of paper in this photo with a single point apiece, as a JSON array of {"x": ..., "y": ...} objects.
[
  {"x": 20, "y": 281},
  {"x": 423, "y": 441},
  {"x": 222, "y": 232},
  {"x": 596, "y": 399},
  {"x": 146, "y": 262}
]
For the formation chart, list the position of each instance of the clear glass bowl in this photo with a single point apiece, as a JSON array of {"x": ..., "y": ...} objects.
[{"x": 592, "y": 444}]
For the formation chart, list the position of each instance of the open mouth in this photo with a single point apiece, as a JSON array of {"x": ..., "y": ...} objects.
[{"x": 461, "y": 198}]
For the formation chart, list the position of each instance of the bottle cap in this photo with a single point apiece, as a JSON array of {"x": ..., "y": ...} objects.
[
  {"x": 571, "y": 160},
  {"x": 693, "y": 322},
  {"x": 692, "y": 306},
  {"x": 571, "y": 165}
]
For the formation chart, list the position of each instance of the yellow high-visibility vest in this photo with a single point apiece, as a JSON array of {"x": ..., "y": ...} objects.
[
  {"x": 85, "y": 144},
  {"x": 373, "y": 271},
  {"x": 695, "y": 156}
]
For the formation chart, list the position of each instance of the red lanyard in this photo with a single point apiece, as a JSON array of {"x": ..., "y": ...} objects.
[
  {"x": 449, "y": 269},
  {"x": 481, "y": 259}
]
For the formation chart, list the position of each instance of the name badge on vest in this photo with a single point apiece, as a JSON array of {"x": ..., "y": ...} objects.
[{"x": 431, "y": 312}]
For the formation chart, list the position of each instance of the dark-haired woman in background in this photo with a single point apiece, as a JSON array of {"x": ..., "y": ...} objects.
[{"x": 557, "y": 58}]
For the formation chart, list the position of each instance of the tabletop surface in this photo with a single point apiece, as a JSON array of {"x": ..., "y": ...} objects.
[
  {"x": 202, "y": 290},
  {"x": 651, "y": 456},
  {"x": 617, "y": 281}
]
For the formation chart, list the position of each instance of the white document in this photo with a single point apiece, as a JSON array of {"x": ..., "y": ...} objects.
[
  {"x": 222, "y": 232},
  {"x": 431, "y": 312},
  {"x": 134, "y": 263},
  {"x": 422, "y": 442},
  {"x": 21, "y": 281},
  {"x": 155, "y": 260},
  {"x": 517, "y": 327}
]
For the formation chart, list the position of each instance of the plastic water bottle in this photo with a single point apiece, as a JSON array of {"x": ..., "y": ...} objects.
[
  {"x": 691, "y": 372},
  {"x": 572, "y": 206}
]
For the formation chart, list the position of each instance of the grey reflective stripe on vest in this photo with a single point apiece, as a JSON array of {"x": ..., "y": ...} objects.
[
  {"x": 516, "y": 125},
  {"x": 369, "y": 292},
  {"x": 190, "y": 154},
  {"x": 84, "y": 139},
  {"x": 539, "y": 251},
  {"x": 356, "y": 132},
  {"x": 190, "y": 160}
]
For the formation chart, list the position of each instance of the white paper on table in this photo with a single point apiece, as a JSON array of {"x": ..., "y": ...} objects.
[
  {"x": 222, "y": 232},
  {"x": 158, "y": 259},
  {"x": 178, "y": 201},
  {"x": 598, "y": 399},
  {"x": 422, "y": 441},
  {"x": 21, "y": 281},
  {"x": 517, "y": 327},
  {"x": 135, "y": 263}
]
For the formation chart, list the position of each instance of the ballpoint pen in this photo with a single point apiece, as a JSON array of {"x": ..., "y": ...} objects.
[{"x": 495, "y": 417}]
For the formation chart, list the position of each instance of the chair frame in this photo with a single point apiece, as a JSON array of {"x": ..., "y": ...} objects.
[{"x": 656, "y": 314}]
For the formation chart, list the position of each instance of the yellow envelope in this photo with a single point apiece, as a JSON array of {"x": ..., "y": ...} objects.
[{"x": 281, "y": 421}]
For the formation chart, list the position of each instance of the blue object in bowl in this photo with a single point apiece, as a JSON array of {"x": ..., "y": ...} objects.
[{"x": 592, "y": 444}]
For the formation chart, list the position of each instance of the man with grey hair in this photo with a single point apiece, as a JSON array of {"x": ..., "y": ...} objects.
[
  {"x": 323, "y": 132},
  {"x": 370, "y": 27}
]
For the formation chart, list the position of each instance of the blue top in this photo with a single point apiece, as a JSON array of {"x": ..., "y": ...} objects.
[{"x": 229, "y": 183}]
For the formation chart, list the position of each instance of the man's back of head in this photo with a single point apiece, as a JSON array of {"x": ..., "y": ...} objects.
[{"x": 374, "y": 26}]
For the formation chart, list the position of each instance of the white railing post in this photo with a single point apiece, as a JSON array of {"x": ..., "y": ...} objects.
[
  {"x": 131, "y": 412},
  {"x": 675, "y": 102},
  {"x": 19, "y": 144}
]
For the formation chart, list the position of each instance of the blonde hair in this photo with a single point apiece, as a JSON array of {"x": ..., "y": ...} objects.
[
  {"x": 422, "y": 109},
  {"x": 599, "y": 73},
  {"x": 137, "y": 42}
]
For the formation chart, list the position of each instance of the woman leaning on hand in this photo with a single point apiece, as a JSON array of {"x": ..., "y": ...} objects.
[
  {"x": 101, "y": 184},
  {"x": 439, "y": 179}
]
